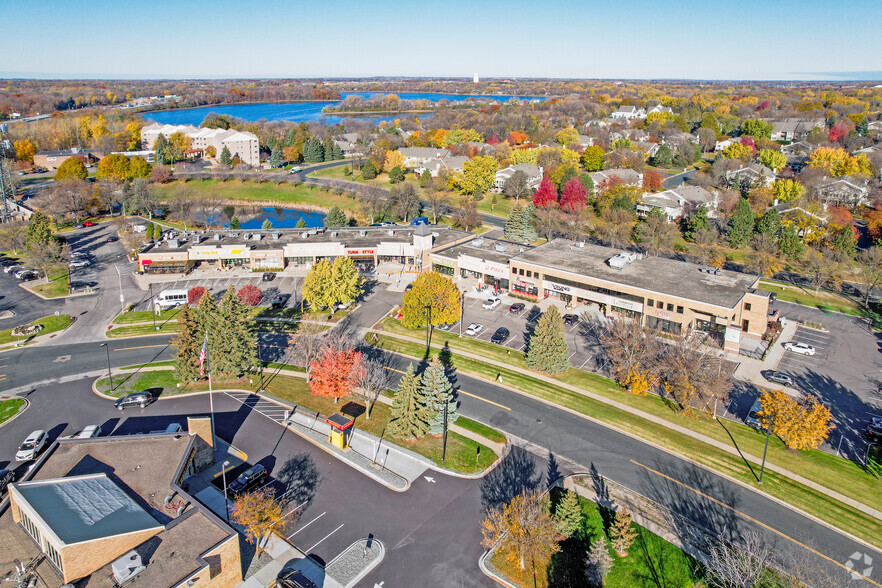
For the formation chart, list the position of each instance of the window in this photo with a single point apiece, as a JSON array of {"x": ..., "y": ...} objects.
[
  {"x": 529, "y": 274},
  {"x": 659, "y": 304},
  {"x": 679, "y": 310},
  {"x": 650, "y": 302},
  {"x": 747, "y": 306},
  {"x": 670, "y": 307},
  {"x": 53, "y": 554},
  {"x": 745, "y": 325}
]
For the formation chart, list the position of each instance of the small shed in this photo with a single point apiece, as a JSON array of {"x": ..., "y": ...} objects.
[{"x": 341, "y": 430}]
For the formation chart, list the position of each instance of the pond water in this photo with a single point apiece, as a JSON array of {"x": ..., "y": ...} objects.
[
  {"x": 253, "y": 217},
  {"x": 301, "y": 111}
]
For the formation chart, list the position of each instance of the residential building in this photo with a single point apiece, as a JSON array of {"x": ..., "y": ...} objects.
[
  {"x": 678, "y": 202},
  {"x": 53, "y": 159},
  {"x": 240, "y": 143},
  {"x": 585, "y": 141},
  {"x": 629, "y": 176},
  {"x": 721, "y": 145},
  {"x": 647, "y": 148},
  {"x": 115, "y": 508},
  {"x": 628, "y": 112},
  {"x": 661, "y": 109},
  {"x": 147, "y": 155},
  {"x": 533, "y": 172},
  {"x": 754, "y": 174},
  {"x": 414, "y": 157},
  {"x": 842, "y": 192},
  {"x": 795, "y": 129},
  {"x": 450, "y": 165}
]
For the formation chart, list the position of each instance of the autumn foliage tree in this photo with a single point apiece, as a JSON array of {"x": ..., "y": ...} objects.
[
  {"x": 250, "y": 294},
  {"x": 801, "y": 424},
  {"x": 436, "y": 291},
  {"x": 574, "y": 197},
  {"x": 257, "y": 512},
  {"x": 335, "y": 373},
  {"x": 652, "y": 180},
  {"x": 194, "y": 294},
  {"x": 546, "y": 195}
]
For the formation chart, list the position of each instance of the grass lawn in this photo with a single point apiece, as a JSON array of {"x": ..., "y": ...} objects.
[
  {"x": 461, "y": 451},
  {"x": 55, "y": 288},
  {"x": 162, "y": 379},
  {"x": 170, "y": 362},
  {"x": 9, "y": 408},
  {"x": 481, "y": 429},
  {"x": 651, "y": 561},
  {"x": 822, "y": 300},
  {"x": 144, "y": 316},
  {"x": 50, "y": 324},
  {"x": 284, "y": 193},
  {"x": 828, "y": 470},
  {"x": 139, "y": 330}
]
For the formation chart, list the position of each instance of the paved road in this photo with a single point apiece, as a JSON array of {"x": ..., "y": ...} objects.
[
  {"x": 677, "y": 179},
  {"x": 676, "y": 483}
]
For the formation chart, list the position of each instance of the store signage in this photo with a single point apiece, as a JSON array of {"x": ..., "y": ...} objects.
[
  {"x": 593, "y": 296},
  {"x": 481, "y": 266},
  {"x": 662, "y": 314},
  {"x": 559, "y": 288},
  {"x": 360, "y": 251}
]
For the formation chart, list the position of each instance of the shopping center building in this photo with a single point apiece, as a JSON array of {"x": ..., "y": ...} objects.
[{"x": 267, "y": 250}]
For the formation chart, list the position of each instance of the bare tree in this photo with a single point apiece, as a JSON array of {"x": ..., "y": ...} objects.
[
  {"x": 372, "y": 201},
  {"x": 629, "y": 348},
  {"x": 821, "y": 268},
  {"x": 709, "y": 251},
  {"x": 465, "y": 216},
  {"x": 437, "y": 199},
  {"x": 616, "y": 227},
  {"x": 44, "y": 256},
  {"x": 373, "y": 380},
  {"x": 516, "y": 185},
  {"x": 307, "y": 344},
  {"x": 870, "y": 264},
  {"x": 656, "y": 233},
  {"x": 693, "y": 373},
  {"x": 765, "y": 259},
  {"x": 740, "y": 566},
  {"x": 404, "y": 201},
  {"x": 13, "y": 236}
]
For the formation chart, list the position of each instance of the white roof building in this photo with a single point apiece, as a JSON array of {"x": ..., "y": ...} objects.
[{"x": 243, "y": 144}]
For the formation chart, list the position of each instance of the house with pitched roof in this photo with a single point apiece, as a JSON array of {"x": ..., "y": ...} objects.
[
  {"x": 678, "y": 202},
  {"x": 628, "y": 176},
  {"x": 795, "y": 129},
  {"x": 629, "y": 112},
  {"x": 415, "y": 157},
  {"x": 533, "y": 173},
  {"x": 451, "y": 165},
  {"x": 754, "y": 174},
  {"x": 842, "y": 192},
  {"x": 243, "y": 144}
]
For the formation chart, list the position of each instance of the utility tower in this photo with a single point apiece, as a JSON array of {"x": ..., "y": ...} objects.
[{"x": 7, "y": 190}]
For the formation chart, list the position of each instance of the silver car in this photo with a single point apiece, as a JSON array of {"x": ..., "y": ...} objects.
[{"x": 801, "y": 348}]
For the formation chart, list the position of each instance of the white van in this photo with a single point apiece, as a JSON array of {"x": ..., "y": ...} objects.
[{"x": 168, "y": 298}]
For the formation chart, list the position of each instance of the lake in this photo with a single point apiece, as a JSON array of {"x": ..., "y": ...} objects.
[
  {"x": 301, "y": 111},
  {"x": 253, "y": 217}
]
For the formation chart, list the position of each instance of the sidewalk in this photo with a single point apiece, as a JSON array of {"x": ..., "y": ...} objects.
[
  {"x": 650, "y": 417},
  {"x": 750, "y": 369}
]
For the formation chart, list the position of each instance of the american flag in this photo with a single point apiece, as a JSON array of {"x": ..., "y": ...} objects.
[{"x": 203, "y": 355}]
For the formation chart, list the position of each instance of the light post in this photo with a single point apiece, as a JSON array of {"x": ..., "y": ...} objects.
[
  {"x": 259, "y": 363},
  {"x": 226, "y": 505},
  {"x": 765, "y": 449},
  {"x": 152, "y": 307},
  {"x": 428, "y": 310},
  {"x": 461, "y": 310},
  {"x": 109, "y": 373},
  {"x": 444, "y": 439}
]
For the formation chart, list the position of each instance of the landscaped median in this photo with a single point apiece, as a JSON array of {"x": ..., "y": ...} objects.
[
  {"x": 49, "y": 324},
  {"x": 462, "y": 452},
  {"x": 692, "y": 435},
  {"x": 10, "y": 407}
]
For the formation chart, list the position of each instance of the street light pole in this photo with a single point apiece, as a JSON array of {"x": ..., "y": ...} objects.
[
  {"x": 428, "y": 310},
  {"x": 109, "y": 373},
  {"x": 259, "y": 363},
  {"x": 226, "y": 505},
  {"x": 152, "y": 307},
  {"x": 461, "y": 310},
  {"x": 444, "y": 439},
  {"x": 765, "y": 449}
]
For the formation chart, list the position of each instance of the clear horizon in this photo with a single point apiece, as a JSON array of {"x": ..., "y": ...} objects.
[{"x": 753, "y": 40}]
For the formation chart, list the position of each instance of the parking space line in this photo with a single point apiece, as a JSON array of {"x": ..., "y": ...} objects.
[
  {"x": 307, "y": 524},
  {"x": 325, "y": 537},
  {"x": 584, "y": 362}
]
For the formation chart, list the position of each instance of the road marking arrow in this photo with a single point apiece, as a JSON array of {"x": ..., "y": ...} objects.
[{"x": 430, "y": 480}]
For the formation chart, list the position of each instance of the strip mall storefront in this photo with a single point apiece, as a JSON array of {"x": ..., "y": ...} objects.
[
  {"x": 165, "y": 263},
  {"x": 489, "y": 272}
]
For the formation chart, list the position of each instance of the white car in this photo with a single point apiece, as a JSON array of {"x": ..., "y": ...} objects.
[
  {"x": 89, "y": 432},
  {"x": 800, "y": 348},
  {"x": 474, "y": 329},
  {"x": 491, "y": 303},
  {"x": 31, "y": 446},
  {"x": 79, "y": 262}
]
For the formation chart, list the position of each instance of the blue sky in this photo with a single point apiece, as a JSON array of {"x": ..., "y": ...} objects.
[{"x": 735, "y": 39}]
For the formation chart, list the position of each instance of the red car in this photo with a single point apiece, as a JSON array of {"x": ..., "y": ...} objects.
[{"x": 88, "y": 224}]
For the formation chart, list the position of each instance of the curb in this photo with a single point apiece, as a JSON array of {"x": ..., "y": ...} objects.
[
  {"x": 21, "y": 410},
  {"x": 368, "y": 569},
  {"x": 38, "y": 295},
  {"x": 39, "y": 338}
]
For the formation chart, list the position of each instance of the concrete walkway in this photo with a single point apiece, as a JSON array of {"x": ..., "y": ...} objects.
[
  {"x": 650, "y": 417},
  {"x": 750, "y": 369}
]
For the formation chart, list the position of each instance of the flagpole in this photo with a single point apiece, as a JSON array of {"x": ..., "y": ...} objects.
[{"x": 210, "y": 393}]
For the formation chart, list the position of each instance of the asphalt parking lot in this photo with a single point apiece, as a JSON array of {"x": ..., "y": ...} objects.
[{"x": 279, "y": 285}]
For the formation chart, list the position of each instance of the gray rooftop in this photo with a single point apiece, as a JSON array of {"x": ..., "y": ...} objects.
[
  {"x": 653, "y": 274},
  {"x": 488, "y": 249},
  {"x": 85, "y": 508}
]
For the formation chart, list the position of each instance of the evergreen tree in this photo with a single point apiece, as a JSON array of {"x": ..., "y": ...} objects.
[
  {"x": 789, "y": 243},
  {"x": 769, "y": 223},
  {"x": 695, "y": 223},
  {"x": 598, "y": 563},
  {"x": 547, "y": 351},
  {"x": 438, "y": 392},
  {"x": 39, "y": 231},
  {"x": 161, "y": 147},
  {"x": 741, "y": 224},
  {"x": 530, "y": 232},
  {"x": 336, "y": 218},
  {"x": 368, "y": 171},
  {"x": 328, "y": 149},
  {"x": 234, "y": 342},
  {"x": 396, "y": 174},
  {"x": 235, "y": 224},
  {"x": 337, "y": 153},
  {"x": 425, "y": 179},
  {"x": 588, "y": 183},
  {"x": 568, "y": 514},
  {"x": 514, "y": 226},
  {"x": 410, "y": 412},
  {"x": 267, "y": 224},
  {"x": 663, "y": 157},
  {"x": 205, "y": 320},
  {"x": 301, "y": 223},
  {"x": 188, "y": 343},
  {"x": 621, "y": 533},
  {"x": 843, "y": 241},
  {"x": 313, "y": 152},
  {"x": 226, "y": 157},
  {"x": 275, "y": 159}
]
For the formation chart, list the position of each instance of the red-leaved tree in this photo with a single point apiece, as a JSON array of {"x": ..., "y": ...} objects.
[
  {"x": 195, "y": 294},
  {"x": 517, "y": 137},
  {"x": 652, "y": 180},
  {"x": 546, "y": 195},
  {"x": 250, "y": 294},
  {"x": 838, "y": 131},
  {"x": 748, "y": 141},
  {"x": 574, "y": 197},
  {"x": 336, "y": 373}
]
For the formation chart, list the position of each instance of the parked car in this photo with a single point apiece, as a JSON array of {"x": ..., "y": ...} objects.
[
  {"x": 89, "y": 432},
  {"x": 294, "y": 579},
  {"x": 112, "y": 239},
  {"x": 268, "y": 277},
  {"x": 874, "y": 429},
  {"x": 444, "y": 327},
  {"x": 752, "y": 418},
  {"x": 779, "y": 377},
  {"x": 142, "y": 399},
  {"x": 79, "y": 226},
  {"x": 491, "y": 303},
  {"x": 252, "y": 478},
  {"x": 27, "y": 274},
  {"x": 88, "y": 223},
  {"x": 516, "y": 308},
  {"x": 295, "y": 170},
  {"x": 11, "y": 268},
  {"x": 6, "y": 478},
  {"x": 420, "y": 220},
  {"x": 500, "y": 336},
  {"x": 279, "y": 300},
  {"x": 79, "y": 262},
  {"x": 570, "y": 319},
  {"x": 32, "y": 446},
  {"x": 801, "y": 348},
  {"x": 474, "y": 329}
]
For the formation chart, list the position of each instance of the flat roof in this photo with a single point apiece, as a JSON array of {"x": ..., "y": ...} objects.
[
  {"x": 487, "y": 249},
  {"x": 85, "y": 508},
  {"x": 653, "y": 274}
]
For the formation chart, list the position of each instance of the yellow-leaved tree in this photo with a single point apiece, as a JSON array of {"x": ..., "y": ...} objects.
[
  {"x": 393, "y": 159},
  {"x": 801, "y": 424},
  {"x": 258, "y": 512}
]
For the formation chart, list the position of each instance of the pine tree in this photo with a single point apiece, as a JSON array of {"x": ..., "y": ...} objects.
[
  {"x": 235, "y": 224},
  {"x": 205, "y": 319},
  {"x": 313, "y": 152},
  {"x": 569, "y": 514},
  {"x": 425, "y": 179},
  {"x": 410, "y": 413},
  {"x": 396, "y": 174},
  {"x": 235, "y": 348},
  {"x": 188, "y": 344},
  {"x": 530, "y": 232},
  {"x": 39, "y": 231},
  {"x": 514, "y": 226},
  {"x": 226, "y": 157},
  {"x": 621, "y": 533},
  {"x": 275, "y": 159},
  {"x": 160, "y": 146},
  {"x": 438, "y": 391},
  {"x": 548, "y": 350},
  {"x": 336, "y": 218},
  {"x": 337, "y": 153},
  {"x": 267, "y": 224},
  {"x": 301, "y": 223},
  {"x": 598, "y": 563},
  {"x": 741, "y": 224},
  {"x": 769, "y": 224},
  {"x": 368, "y": 170},
  {"x": 789, "y": 243},
  {"x": 328, "y": 149},
  {"x": 695, "y": 223}
]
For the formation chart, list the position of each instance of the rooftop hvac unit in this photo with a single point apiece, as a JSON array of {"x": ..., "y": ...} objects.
[
  {"x": 275, "y": 236},
  {"x": 362, "y": 233},
  {"x": 500, "y": 247},
  {"x": 580, "y": 244},
  {"x": 197, "y": 239},
  {"x": 621, "y": 260},
  {"x": 478, "y": 242},
  {"x": 217, "y": 237},
  {"x": 391, "y": 233},
  {"x": 173, "y": 243},
  {"x": 334, "y": 234},
  {"x": 256, "y": 237},
  {"x": 246, "y": 236},
  {"x": 304, "y": 234},
  {"x": 127, "y": 567}
]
